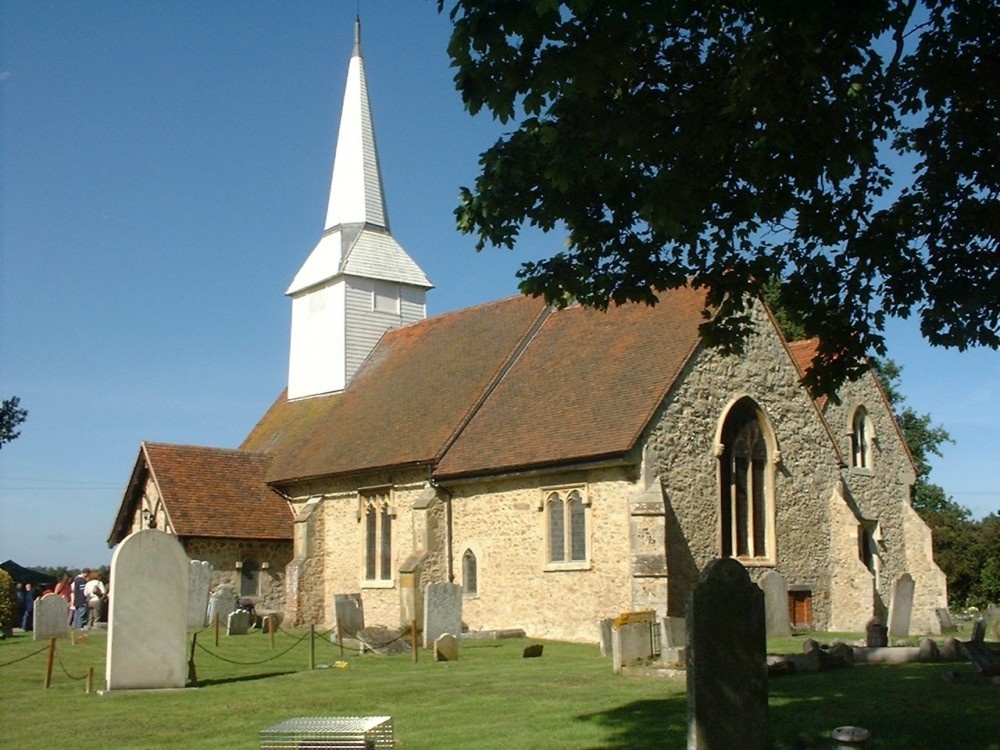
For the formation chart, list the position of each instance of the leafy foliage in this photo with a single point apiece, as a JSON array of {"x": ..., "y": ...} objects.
[
  {"x": 11, "y": 415},
  {"x": 8, "y": 601},
  {"x": 730, "y": 143}
]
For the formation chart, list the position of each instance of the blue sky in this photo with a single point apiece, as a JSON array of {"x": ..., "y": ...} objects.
[{"x": 165, "y": 169}]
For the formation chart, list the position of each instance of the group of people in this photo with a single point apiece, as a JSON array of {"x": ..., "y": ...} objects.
[{"x": 86, "y": 597}]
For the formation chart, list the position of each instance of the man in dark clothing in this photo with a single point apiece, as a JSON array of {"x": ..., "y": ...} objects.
[{"x": 80, "y": 599}]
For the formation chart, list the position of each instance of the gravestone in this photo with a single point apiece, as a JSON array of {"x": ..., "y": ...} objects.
[
  {"x": 993, "y": 621},
  {"x": 51, "y": 613},
  {"x": 147, "y": 621},
  {"x": 726, "y": 661},
  {"x": 199, "y": 583},
  {"x": 349, "y": 614},
  {"x": 944, "y": 621},
  {"x": 632, "y": 638},
  {"x": 775, "y": 588},
  {"x": 901, "y": 606},
  {"x": 238, "y": 622},
  {"x": 446, "y": 648},
  {"x": 604, "y": 629},
  {"x": 221, "y": 602},
  {"x": 533, "y": 651},
  {"x": 442, "y": 610}
]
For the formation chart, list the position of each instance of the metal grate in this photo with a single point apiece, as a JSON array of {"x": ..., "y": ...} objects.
[{"x": 330, "y": 733}]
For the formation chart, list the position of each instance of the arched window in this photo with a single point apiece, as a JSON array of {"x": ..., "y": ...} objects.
[
  {"x": 377, "y": 515},
  {"x": 861, "y": 439},
  {"x": 566, "y": 527},
  {"x": 746, "y": 485},
  {"x": 249, "y": 577},
  {"x": 470, "y": 573}
]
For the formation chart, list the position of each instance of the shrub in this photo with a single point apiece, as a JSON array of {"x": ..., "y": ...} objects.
[{"x": 8, "y": 601}]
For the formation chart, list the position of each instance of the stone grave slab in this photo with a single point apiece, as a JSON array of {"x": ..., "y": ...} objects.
[
  {"x": 199, "y": 584},
  {"x": 442, "y": 610},
  {"x": 726, "y": 661},
  {"x": 632, "y": 639},
  {"x": 221, "y": 603},
  {"x": 239, "y": 622},
  {"x": 446, "y": 647},
  {"x": 775, "y": 588},
  {"x": 944, "y": 621},
  {"x": 349, "y": 614},
  {"x": 147, "y": 620},
  {"x": 901, "y": 606},
  {"x": 51, "y": 618}
]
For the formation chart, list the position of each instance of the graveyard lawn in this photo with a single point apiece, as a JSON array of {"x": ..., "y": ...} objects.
[{"x": 490, "y": 699}]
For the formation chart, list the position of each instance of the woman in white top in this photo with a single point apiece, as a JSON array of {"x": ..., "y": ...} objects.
[{"x": 94, "y": 591}]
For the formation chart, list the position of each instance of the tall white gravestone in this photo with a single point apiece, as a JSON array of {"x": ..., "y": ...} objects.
[
  {"x": 147, "y": 622},
  {"x": 442, "y": 611}
]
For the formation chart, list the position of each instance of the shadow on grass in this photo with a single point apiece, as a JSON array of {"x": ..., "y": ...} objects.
[
  {"x": 243, "y": 678},
  {"x": 905, "y": 708},
  {"x": 643, "y": 725}
]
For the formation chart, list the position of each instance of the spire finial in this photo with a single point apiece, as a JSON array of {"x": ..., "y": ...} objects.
[{"x": 357, "y": 37}]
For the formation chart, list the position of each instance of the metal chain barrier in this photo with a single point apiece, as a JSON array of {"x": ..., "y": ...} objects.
[
  {"x": 66, "y": 672},
  {"x": 252, "y": 663},
  {"x": 25, "y": 657}
]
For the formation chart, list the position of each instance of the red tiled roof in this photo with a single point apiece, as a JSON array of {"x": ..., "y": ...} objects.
[
  {"x": 407, "y": 401},
  {"x": 585, "y": 387},
  {"x": 213, "y": 492}
]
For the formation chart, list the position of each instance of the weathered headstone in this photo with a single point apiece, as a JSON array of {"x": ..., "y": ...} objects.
[
  {"x": 238, "y": 622},
  {"x": 604, "y": 628},
  {"x": 442, "y": 610},
  {"x": 221, "y": 603},
  {"x": 726, "y": 661},
  {"x": 944, "y": 621},
  {"x": 349, "y": 614},
  {"x": 446, "y": 647},
  {"x": 775, "y": 588},
  {"x": 632, "y": 639},
  {"x": 147, "y": 623},
  {"x": 901, "y": 606},
  {"x": 199, "y": 583},
  {"x": 992, "y": 617},
  {"x": 51, "y": 613},
  {"x": 929, "y": 650}
]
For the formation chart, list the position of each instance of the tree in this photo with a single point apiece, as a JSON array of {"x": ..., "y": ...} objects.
[
  {"x": 848, "y": 148},
  {"x": 11, "y": 415}
]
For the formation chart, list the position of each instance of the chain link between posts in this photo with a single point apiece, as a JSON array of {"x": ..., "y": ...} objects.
[{"x": 25, "y": 657}]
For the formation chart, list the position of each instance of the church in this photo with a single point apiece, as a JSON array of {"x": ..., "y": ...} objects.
[{"x": 562, "y": 465}]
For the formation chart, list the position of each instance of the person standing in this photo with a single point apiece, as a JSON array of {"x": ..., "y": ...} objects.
[
  {"x": 80, "y": 598},
  {"x": 64, "y": 589},
  {"x": 28, "y": 613},
  {"x": 94, "y": 591}
]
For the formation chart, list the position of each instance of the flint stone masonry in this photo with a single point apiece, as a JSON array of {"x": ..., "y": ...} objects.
[
  {"x": 147, "y": 622},
  {"x": 901, "y": 606},
  {"x": 442, "y": 611},
  {"x": 199, "y": 584},
  {"x": 51, "y": 613},
  {"x": 726, "y": 661}
]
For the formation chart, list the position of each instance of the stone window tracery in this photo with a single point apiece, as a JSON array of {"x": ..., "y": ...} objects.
[
  {"x": 861, "y": 439},
  {"x": 746, "y": 485},
  {"x": 567, "y": 532},
  {"x": 377, "y": 517}
]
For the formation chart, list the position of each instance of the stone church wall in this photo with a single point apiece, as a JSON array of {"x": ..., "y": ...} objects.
[
  {"x": 681, "y": 449},
  {"x": 223, "y": 554},
  {"x": 504, "y": 524}
]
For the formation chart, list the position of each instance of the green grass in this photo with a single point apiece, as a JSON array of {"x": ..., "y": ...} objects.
[{"x": 489, "y": 699}]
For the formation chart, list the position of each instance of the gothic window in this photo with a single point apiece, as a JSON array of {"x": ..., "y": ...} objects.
[
  {"x": 746, "y": 486},
  {"x": 566, "y": 527},
  {"x": 470, "y": 573},
  {"x": 377, "y": 517},
  {"x": 869, "y": 547},
  {"x": 861, "y": 440}
]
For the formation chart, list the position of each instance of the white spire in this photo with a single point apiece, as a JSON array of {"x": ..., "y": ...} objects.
[
  {"x": 358, "y": 282},
  {"x": 356, "y": 188}
]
